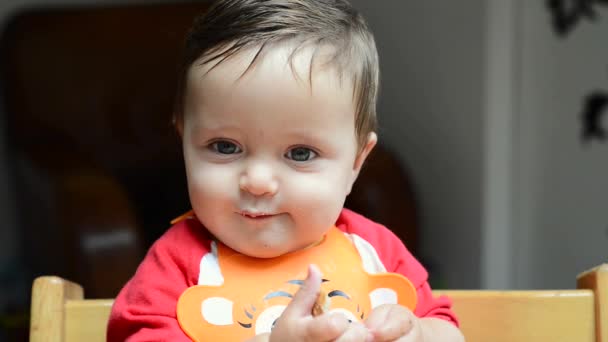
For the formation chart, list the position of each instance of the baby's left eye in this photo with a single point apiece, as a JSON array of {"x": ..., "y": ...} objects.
[{"x": 300, "y": 154}]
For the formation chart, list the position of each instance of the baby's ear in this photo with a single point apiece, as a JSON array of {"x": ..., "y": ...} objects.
[
  {"x": 178, "y": 124},
  {"x": 364, "y": 152}
]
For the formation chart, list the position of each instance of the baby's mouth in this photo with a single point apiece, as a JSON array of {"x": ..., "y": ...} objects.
[{"x": 256, "y": 215}]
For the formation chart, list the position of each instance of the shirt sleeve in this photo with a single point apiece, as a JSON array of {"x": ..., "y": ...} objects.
[
  {"x": 398, "y": 259},
  {"x": 145, "y": 309}
]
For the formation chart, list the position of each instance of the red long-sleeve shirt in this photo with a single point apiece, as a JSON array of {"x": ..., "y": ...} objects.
[{"x": 145, "y": 309}]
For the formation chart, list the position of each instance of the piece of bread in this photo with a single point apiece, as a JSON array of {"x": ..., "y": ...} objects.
[{"x": 321, "y": 305}]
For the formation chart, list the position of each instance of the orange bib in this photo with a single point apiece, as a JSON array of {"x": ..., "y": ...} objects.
[{"x": 255, "y": 291}]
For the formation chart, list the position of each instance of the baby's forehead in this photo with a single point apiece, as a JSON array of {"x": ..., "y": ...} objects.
[
  {"x": 274, "y": 84},
  {"x": 304, "y": 62}
]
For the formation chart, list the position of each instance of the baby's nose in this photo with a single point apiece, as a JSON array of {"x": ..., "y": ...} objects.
[{"x": 259, "y": 179}]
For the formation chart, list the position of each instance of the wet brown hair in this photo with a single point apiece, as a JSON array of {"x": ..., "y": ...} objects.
[{"x": 230, "y": 26}]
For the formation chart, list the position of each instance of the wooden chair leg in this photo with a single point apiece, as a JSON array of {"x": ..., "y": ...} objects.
[
  {"x": 49, "y": 295},
  {"x": 596, "y": 279}
]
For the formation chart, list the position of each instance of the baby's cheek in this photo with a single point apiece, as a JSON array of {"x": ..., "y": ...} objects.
[
  {"x": 321, "y": 195},
  {"x": 215, "y": 177},
  {"x": 211, "y": 184}
]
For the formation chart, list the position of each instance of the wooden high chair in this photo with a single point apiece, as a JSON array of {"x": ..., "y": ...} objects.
[
  {"x": 60, "y": 312},
  {"x": 579, "y": 315}
]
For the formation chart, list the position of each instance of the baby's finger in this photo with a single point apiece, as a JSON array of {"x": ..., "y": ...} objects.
[
  {"x": 389, "y": 322},
  {"x": 356, "y": 332},
  {"x": 413, "y": 335},
  {"x": 327, "y": 327},
  {"x": 303, "y": 301}
]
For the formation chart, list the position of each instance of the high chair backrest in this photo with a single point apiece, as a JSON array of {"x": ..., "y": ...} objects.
[
  {"x": 61, "y": 314},
  {"x": 579, "y": 315}
]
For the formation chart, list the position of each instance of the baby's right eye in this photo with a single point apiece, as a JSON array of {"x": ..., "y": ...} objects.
[{"x": 224, "y": 147}]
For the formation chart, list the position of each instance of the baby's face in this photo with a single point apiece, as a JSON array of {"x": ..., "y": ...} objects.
[{"x": 269, "y": 159}]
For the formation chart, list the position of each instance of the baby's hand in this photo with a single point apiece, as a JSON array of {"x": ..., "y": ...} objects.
[
  {"x": 392, "y": 322},
  {"x": 297, "y": 323}
]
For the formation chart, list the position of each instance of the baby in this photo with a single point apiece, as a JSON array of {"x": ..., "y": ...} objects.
[{"x": 276, "y": 110}]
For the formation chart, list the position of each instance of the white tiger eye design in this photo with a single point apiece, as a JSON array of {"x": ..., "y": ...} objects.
[{"x": 217, "y": 310}]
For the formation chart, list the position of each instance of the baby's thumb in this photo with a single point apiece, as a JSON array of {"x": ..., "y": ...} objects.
[{"x": 303, "y": 301}]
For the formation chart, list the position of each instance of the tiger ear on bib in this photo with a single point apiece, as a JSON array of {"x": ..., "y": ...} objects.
[
  {"x": 200, "y": 309},
  {"x": 392, "y": 288}
]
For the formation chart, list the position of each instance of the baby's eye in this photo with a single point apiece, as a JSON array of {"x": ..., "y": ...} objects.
[
  {"x": 300, "y": 154},
  {"x": 225, "y": 147}
]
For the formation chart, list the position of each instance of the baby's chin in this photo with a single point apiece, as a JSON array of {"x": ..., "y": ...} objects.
[
  {"x": 263, "y": 253},
  {"x": 260, "y": 249},
  {"x": 267, "y": 250}
]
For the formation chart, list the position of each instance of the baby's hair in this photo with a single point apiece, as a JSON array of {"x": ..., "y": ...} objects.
[{"x": 231, "y": 26}]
